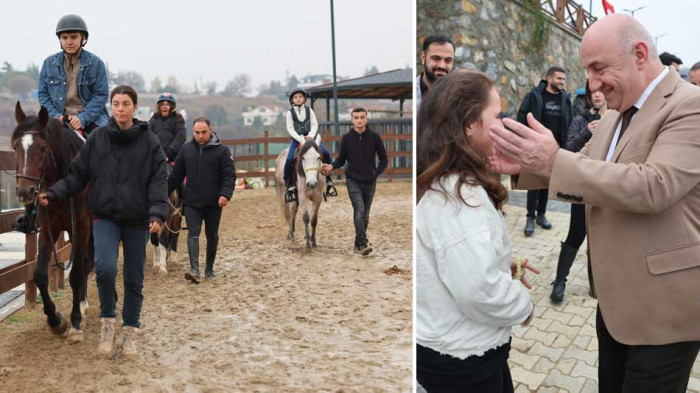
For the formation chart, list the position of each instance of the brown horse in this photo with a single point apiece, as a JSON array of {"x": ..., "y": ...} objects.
[
  {"x": 44, "y": 150},
  {"x": 165, "y": 241}
]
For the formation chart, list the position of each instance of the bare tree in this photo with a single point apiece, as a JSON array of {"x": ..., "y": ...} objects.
[
  {"x": 21, "y": 84},
  {"x": 131, "y": 78},
  {"x": 172, "y": 85},
  {"x": 239, "y": 86},
  {"x": 210, "y": 88},
  {"x": 156, "y": 85}
]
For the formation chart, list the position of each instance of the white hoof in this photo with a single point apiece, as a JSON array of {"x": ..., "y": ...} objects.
[{"x": 74, "y": 336}]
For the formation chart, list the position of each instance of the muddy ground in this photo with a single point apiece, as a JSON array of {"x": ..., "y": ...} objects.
[{"x": 277, "y": 318}]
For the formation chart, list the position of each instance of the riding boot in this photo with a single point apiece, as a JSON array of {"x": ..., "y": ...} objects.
[
  {"x": 211, "y": 256},
  {"x": 193, "y": 250},
  {"x": 291, "y": 194},
  {"x": 566, "y": 259}
]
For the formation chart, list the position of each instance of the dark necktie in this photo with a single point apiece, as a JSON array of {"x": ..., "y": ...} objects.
[{"x": 626, "y": 119}]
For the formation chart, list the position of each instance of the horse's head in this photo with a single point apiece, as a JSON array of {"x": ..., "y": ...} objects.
[
  {"x": 30, "y": 143},
  {"x": 311, "y": 154}
]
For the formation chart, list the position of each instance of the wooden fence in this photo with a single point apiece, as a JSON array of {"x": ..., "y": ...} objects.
[
  {"x": 389, "y": 138},
  {"x": 15, "y": 272}
]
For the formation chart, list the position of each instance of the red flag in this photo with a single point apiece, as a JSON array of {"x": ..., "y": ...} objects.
[{"x": 608, "y": 8}]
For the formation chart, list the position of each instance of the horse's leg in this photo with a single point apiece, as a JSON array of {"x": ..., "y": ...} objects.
[
  {"x": 162, "y": 254},
  {"x": 75, "y": 335},
  {"x": 293, "y": 213},
  {"x": 88, "y": 265},
  {"x": 314, "y": 220},
  {"x": 306, "y": 218},
  {"x": 41, "y": 278}
]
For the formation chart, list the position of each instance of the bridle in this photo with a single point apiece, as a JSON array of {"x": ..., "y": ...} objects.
[
  {"x": 39, "y": 180},
  {"x": 40, "y": 185}
]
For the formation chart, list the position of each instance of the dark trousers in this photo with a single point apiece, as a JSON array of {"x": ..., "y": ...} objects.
[
  {"x": 577, "y": 226},
  {"x": 211, "y": 217},
  {"x": 537, "y": 202},
  {"x": 439, "y": 373},
  {"x": 361, "y": 195},
  {"x": 107, "y": 235},
  {"x": 642, "y": 368}
]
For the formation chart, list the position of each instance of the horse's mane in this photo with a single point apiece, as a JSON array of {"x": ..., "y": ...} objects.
[
  {"x": 304, "y": 148},
  {"x": 64, "y": 142}
]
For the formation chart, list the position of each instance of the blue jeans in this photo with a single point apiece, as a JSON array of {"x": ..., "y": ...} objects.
[
  {"x": 361, "y": 195},
  {"x": 290, "y": 158},
  {"x": 107, "y": 235}
]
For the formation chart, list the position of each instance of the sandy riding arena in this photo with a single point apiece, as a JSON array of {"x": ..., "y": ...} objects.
[{"x": 277, "y": 318}]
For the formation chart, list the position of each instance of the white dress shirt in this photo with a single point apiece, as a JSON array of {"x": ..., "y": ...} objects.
[{"x": 642, "y": 99}]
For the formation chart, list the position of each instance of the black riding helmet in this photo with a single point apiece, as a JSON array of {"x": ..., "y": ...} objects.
[
  {"x": 295, "y": 91},
  {"x": 72, "y": 22}
]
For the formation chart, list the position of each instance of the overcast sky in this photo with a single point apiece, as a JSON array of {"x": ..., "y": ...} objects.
[
  {"x": 678, "y": 19},
  {"x": 216, "y": 40}
]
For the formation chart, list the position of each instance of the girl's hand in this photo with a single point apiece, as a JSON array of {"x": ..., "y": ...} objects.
[{"x": 519, "y": 267}]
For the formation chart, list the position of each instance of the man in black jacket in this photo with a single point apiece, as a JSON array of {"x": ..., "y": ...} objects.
[
  {"x": 550, "y": 104},
  {"x": 211, "y": 176},
  {"x": 359, "y": 147}
]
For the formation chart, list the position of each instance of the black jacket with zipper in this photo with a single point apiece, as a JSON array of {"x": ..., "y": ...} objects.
[
  {"x": 126, "y": 172},
  {"x": 209, "y": 170},
  {"x": 534, "y": 103},
  {"x": 361, "y": 150},
  {"x": 170, "y": 130}
]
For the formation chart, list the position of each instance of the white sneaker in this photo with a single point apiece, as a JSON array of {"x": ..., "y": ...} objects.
[
  {"x": 107, "y": 333},
  {"x": 129, "y": 341}
]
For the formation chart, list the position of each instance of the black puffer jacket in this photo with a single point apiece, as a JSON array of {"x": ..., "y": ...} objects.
[
  {"x": 210, "y": 173},
  {"x": 126, "y": 172},
  {"x": 579, "y": 134},
  {"x": 170, "y": 131},
  {"x": 533, "y": 103}
]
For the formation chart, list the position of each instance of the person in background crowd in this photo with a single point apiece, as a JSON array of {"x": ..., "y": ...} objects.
[
  {"x": 551, "y": 105},
  {"x": 437, "y": 58}
]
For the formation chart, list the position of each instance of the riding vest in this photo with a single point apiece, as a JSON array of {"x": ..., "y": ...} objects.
[{"x": 302, "y": 127}]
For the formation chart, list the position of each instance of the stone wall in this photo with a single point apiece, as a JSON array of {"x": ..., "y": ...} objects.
[{"x": 494, "y": 36}]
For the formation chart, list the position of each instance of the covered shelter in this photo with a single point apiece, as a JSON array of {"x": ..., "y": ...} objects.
[{"x": 394, "y": 85}]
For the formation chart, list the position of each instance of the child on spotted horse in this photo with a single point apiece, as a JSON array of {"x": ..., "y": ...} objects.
[{"x": 302, "y": 126}]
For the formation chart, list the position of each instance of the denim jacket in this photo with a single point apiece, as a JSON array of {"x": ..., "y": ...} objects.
[{"x": 92, "y": 88}]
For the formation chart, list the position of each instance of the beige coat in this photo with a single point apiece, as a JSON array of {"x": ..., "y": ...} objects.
[{"x": 643, "y": 215}]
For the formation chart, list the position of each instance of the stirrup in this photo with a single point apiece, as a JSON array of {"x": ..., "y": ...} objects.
[
  {"x": 290, "y": 196},
  {"x": 331, "y": 191}
]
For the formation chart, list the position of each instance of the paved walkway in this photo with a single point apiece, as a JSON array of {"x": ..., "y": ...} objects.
[{"x": 558, "y": 351}]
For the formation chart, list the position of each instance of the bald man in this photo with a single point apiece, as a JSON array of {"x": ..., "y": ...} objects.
[{"x": 639, "y": 177}]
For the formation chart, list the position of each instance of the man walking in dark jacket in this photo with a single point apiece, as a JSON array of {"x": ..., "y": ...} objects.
[
  {"x": 550, "y": 104},
  {"x": 359, "y": 147},
  {"x": 211, "y": 176}
]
